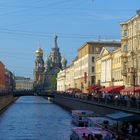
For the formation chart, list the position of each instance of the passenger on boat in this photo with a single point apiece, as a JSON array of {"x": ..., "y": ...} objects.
[
  {"x": 98, "y": 137},
  {"x": 90, "y": 137},
  {"x": 113, "y": 137},
  {"x": 107, "y": 137},
  {"x": 84, "y": 136}
]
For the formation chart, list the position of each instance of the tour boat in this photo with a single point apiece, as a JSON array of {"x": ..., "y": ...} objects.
[
  {"x": 79, "y": 117},
  {"x": 94, "y": 132}
]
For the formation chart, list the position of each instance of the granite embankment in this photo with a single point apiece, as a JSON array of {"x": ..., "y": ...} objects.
[
  {"x": 5, "y": 101},
  {"x": 74, "y": 103}
]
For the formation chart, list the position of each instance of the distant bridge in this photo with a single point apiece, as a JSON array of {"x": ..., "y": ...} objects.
[{"x": 32, "y": 93}]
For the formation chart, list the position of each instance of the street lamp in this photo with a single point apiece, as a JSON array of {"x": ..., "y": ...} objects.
[
  {"x": 134, "y": 80},
  {"x": 133, "y": 70}
]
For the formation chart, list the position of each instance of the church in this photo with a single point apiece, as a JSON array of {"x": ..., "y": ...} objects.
[{"x": 45, "y": 71}]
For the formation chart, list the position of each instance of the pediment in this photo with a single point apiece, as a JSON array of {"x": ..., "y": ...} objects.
[{"x": 104, "y": 52}]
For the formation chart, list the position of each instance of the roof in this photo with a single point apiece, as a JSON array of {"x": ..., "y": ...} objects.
[
  {"x": 101, "y": 42},
  {"x": 122, "y": 116},
  {"x": 1, "y": 63},
  {"x": 82, "y": 111},
  {"x": 87, "y": 113},
  {"x": 132, "y": 18},
  {"x": 110, "y": 49},
  {"x": 104, "y": 41}
]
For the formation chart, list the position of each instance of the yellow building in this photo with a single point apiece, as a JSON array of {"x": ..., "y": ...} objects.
[
  {"x": 108, "y": 67},
  {"x": 80, "y": 73},
  {"x": 131, "y": 50},
  {"x": 117, "y": 78},
  {"x": 84, "y": 65}
]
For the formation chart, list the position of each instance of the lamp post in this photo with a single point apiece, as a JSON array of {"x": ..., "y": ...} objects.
[
  {"x": 134, "y": 80},
  {"x": 133, "y": 70}
]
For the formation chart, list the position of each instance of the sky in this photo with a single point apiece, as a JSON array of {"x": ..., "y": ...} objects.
[{"x": 26, "y": 25}]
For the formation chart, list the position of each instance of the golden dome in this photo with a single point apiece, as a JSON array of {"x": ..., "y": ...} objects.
[{"x": 39, "y": 51}]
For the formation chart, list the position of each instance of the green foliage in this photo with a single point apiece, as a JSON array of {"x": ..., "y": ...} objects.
[{"x": 53, "y": 81}]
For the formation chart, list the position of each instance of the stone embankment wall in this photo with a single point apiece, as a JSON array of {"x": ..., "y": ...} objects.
[
  {"x": 5, "y": 101},
  {"x": 72, "y": 103}
]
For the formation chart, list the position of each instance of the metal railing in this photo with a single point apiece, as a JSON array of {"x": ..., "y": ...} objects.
[{"x": 130, "y": 104}]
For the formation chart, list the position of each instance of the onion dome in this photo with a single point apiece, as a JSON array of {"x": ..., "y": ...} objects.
[
  {"x": 63, "y": 62},
  {"x": 47, "y": 61},
  {"x": 39, "y": 51}
]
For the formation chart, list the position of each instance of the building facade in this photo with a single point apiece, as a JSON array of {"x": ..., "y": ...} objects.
[
  {"x": 81, "y": 73},
  {"x": 108, "y": 67},
  {"x": 84, "y": 66},
  {"x": 9, "y": 81},
  {"x": 23, "y": 83},
  {"x": 117, "y": 78},
  {"x": 61, "y": 77},
  {"x": 69, "y": 81},
  {"x": 2, "y": 76},
  {"x": 131, "y": 50},
  {"x": 65, "y": 78}
]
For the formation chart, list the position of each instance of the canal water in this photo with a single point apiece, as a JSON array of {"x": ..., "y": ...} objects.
[{"x": 35, "y": 118}]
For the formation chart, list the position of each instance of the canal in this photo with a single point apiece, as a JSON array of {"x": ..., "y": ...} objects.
[{"x": 35, "y": 118}]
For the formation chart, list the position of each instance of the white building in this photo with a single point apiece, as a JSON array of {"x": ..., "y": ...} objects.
[
  {"x": 23, "y": 83},
  {"x": 61, "y": 76}
]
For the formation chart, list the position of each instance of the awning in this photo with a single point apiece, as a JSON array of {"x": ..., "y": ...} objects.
[
  {"x": 122, "y": 116},
  {"x": 131, "y": 89},
  {"x": 73, "y": 90},
  {"x": 93, "y": 87},
  {"x": 112, "y": 88}
]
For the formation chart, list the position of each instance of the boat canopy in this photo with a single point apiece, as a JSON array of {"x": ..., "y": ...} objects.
[
  {"x": 82, "y": 112},
  {"x": 123, "y": 116}
]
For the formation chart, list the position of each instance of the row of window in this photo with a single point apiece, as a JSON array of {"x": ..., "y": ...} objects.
[
  {"x": 131, "y": 30},
  {"x": 117, "y": 60},
  {"x": 79, "y": 72},
  {"x": 96, "y": 49},
  {"x": 117, "y": 75},
  {"x": 132, "y": 44},
  {"x": 81, "y": 62}
]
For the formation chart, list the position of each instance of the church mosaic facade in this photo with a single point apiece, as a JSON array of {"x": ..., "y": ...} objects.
[{"x": 45, "y": 71}]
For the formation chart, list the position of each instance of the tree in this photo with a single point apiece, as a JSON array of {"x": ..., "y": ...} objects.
[{"x": 53, "y": 81}]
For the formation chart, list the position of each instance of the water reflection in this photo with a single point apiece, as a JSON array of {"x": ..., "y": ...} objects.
[{"x": 35, "y": 118}]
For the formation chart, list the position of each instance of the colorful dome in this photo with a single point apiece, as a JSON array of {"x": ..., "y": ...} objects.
[
  {"x": 47, "y": 61},
  {"x": 63, "y": 61},
  {"x": 39, "y": 51}
]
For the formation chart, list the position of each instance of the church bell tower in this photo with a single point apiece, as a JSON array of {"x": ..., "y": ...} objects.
[
  {"x": 39, "y": 67},
  {"x": 55, "y": 56}
]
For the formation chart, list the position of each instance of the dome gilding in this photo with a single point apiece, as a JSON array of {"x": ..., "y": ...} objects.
[{"x": 39, "y": 51}]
